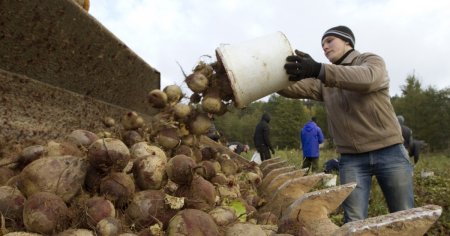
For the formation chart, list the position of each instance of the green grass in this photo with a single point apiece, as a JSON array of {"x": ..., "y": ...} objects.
[
  {"x": 432, "y": 190},
  {"x": 435, "y": 189}
]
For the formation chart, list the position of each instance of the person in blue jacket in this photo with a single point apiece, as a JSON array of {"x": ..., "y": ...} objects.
[{"x": 311, "y": 136}]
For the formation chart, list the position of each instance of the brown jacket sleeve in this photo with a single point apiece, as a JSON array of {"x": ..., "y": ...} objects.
[
  {"x": 307, "y": 88},
  {"x": 367, "y": 74}
]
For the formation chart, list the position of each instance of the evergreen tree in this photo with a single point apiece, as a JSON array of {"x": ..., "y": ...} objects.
[{"x": 426, "y": 112}]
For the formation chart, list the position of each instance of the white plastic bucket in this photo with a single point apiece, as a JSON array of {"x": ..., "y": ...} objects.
[{"x": 255, "y": 68}]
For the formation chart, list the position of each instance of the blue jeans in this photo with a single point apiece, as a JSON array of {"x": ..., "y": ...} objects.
[{"x": 393, "y": 171}]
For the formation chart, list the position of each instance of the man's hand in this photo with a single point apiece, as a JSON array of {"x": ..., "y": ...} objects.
[
  {"x": 273, "y": 151},
  {"x": 301, "y": 66}
]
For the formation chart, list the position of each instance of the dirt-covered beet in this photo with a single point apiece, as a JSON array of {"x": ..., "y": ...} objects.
[
  {"x": 149, "y": 207},
  {"x": 203, "y": 68},
  {"x": 180, "y": 169},
  {"x": 30, "y": 154},
  {"x": 168, "y": 138},
  {"x": 20, "y": 233},
  {"x": 199, "y": 194},
  {"x": 197, "y": 154},
  {"x": 217, "y": 166},
  {"x": 188, "y": 140},
  {"x": 220, "y": 179},
  {"x": 61, "y": 175},
  {"x": 143, "y": 149},
  {"x": 11, "y": 202},
  {"x": 228, "y": 191},
  {"x": 206, "y": 170},
  {"x": 132, "y": 120},
  {"x": 228, "y": 166},
  {"x": 185, "y": 150},
  {"x": 76, "y": 232},
  {"x": 117, "y": 187},
  {"x": 182, "y": 111},
  {"x": 150, "y": 171},
  {"x": 108, "y": 121},
  {"x": 109, "y": 226},
  {"x": 98, "y": 208},
  {"x": 208, "y": 153},
  {"x": 108, "y": 154},
  {"x": 131, "y": 137},
  {"x": 6, "y": 174},
  {"x": 253, "y": 178},
  {"x": 192, "y": 222},
  {"x": 45, "y": 213},
  {"x": 199, "y": 124},
  {"x": 223, "y": 215},
  {"x": 212, "y": 102},
  {"x": 253, "y": 199},
  {"x": 244, "y": 229},
  {"x": 197, "y": 82},
  {"x": 82, "y": 138},
  {"x": 174, "y": 93},
  {"x": 62, "y": 149},
  {"x": 157, "y": 98}
]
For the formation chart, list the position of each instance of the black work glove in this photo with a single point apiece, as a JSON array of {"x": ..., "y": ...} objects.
[
  {"x": 301, "y": 66},
  {"x": 273, "y": 151}
]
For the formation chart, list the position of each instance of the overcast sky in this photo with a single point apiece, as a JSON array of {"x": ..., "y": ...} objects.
[{"x": 412, "y": 36}]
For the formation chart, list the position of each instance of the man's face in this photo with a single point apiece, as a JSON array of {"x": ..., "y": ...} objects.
[{"x": 334, "y": 48}]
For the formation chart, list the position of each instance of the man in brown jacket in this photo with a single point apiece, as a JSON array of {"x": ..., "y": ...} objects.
[{"x": 361, "y": 119}]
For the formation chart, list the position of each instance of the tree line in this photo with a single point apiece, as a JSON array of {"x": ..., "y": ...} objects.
[{"x": 426, "y": 112}]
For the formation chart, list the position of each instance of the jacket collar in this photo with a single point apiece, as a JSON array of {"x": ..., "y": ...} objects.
[{"x": 349, "y": 58}]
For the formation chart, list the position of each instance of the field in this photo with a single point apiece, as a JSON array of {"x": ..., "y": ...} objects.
[{"x": 428, "y": 190}]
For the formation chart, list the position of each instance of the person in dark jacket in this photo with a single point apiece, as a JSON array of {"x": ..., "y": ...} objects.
[
  {"x": 412, "y": 145},
  {"x": 261, "y": 138},
  {"x": 311, "y": 136},
  {"x": 415, "y": 149},
  {"x": 406, "y": 133}
]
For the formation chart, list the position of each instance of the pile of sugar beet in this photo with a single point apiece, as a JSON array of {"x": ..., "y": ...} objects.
[{"x": 156, "y": 176}]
